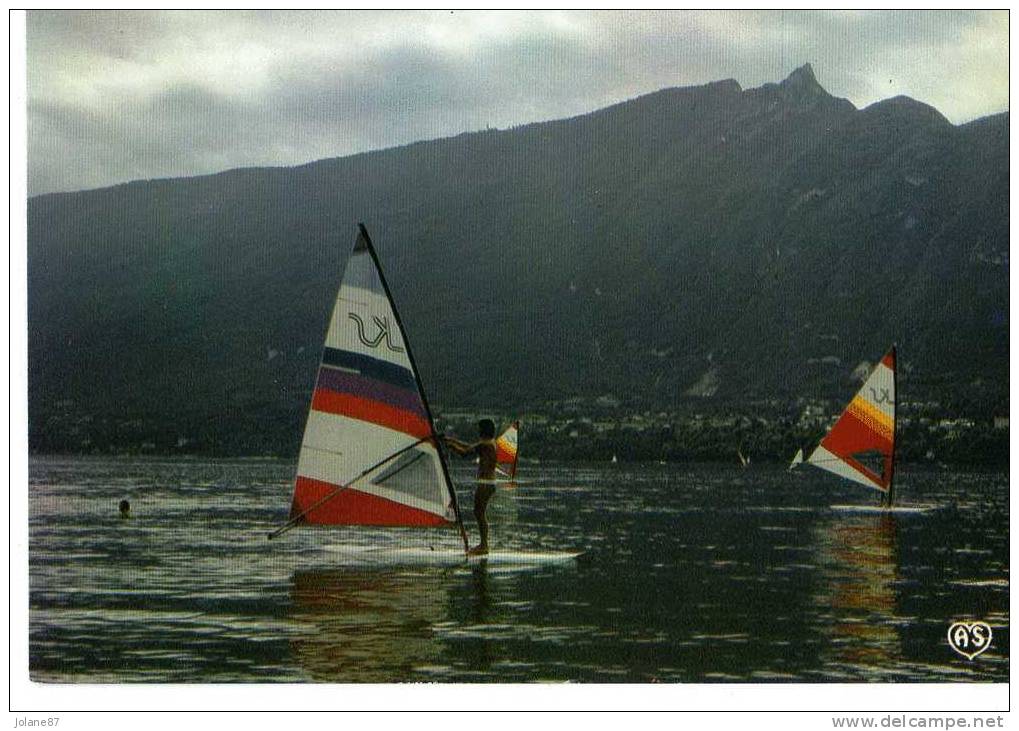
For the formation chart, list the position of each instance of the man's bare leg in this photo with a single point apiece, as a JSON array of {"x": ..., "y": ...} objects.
[{"x": 481, "y": 497}]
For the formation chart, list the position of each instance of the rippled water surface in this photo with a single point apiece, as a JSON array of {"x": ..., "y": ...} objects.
[{"x": 690, "y": 573}]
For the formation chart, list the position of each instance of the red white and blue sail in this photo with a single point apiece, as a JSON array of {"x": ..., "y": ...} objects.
[
  {"x": 861, "y": 444},
  {"x": 368, "y": 405}
]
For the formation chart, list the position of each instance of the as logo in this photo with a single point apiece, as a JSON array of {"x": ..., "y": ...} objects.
[
  {"x": 969, "y": 639},
  {"x": 382, "y": 323}
]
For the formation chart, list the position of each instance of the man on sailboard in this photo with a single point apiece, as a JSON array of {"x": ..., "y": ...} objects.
[{"x": 486, "y": 453}]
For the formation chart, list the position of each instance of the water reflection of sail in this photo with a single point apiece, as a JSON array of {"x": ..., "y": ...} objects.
[
  {"x": 860, "y": 562},
  {"x": 367, "y": 626}
]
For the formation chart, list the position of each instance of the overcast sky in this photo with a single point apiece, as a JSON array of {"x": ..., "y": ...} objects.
[{"x": 117, "y": 96}]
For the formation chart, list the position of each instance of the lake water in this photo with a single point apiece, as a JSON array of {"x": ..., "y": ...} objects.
[{"x": 691, "y": 573}]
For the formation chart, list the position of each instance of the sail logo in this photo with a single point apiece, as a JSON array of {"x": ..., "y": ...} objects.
[
  {"x": 384, "y": 333},
  {"x": 970, "y": 639},
  {"x": 885, "y": 397}
]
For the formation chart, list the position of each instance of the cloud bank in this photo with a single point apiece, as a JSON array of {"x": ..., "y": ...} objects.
[{"x": 116, "y": 96}]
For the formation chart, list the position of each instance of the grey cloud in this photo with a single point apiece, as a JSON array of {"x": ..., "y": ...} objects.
[{"x": 335, "y": 83}]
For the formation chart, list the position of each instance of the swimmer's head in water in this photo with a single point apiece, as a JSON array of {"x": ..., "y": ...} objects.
[
  {"x": 486, "y": 428},
  {"x": 125, "y": 507}
]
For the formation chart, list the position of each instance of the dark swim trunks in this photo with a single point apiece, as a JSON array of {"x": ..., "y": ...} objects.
[{"x": 482, "y": 494}]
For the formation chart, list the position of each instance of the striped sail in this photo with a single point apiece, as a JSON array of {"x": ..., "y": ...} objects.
[
  {"x": 366, "y": 407},
  {"x": 860, "y": 447},
  {"x": 506, "y": 449}
]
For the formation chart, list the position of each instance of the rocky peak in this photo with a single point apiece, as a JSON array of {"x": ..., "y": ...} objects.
[
  {"x": 799, "y": 87},
  {"x": 802, "y": 82}
]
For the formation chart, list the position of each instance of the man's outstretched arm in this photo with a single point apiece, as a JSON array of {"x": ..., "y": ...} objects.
[{"x": 461, "y": 448}]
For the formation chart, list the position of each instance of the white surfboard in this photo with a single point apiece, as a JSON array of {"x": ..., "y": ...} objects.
[
  {"x": 894, "y": 509},
  {"x": 447, "y": 556}
]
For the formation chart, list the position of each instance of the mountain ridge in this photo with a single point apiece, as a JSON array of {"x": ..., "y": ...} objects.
[
  {"x": 729, "y": 84},
  {"x": 722, "y": 227}
]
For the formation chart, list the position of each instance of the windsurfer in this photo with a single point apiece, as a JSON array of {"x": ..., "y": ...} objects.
[{"x": 486, "y": 453}]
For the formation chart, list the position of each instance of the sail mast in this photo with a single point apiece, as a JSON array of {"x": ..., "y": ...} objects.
[
  {"x": 895, "y": 426},
  {"x": 516, "y": 449},
  {"x": 417, "y": 378}
]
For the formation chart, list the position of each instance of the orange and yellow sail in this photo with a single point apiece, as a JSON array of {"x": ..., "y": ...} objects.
[
  {"x": 506, "y": 449},
  {"x": 861, "y": 444}
]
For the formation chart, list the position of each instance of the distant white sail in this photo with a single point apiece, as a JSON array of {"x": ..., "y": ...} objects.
[{"x": 797, "y": 459}]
